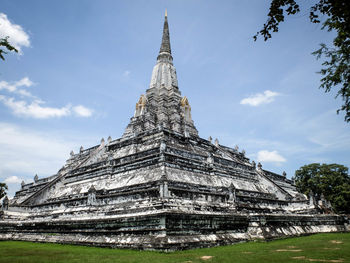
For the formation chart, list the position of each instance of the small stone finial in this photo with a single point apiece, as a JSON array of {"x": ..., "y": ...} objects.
[
  {"x": 109, "y": 139},
  {"x": 243, "y": 152},
  {"x": 140, "y": 106},
  {"x": 232, "y": 193},
  {"x": 81, "y": 148},
  {"x": 23, "y": 183},
  {"x": 36, "y": 178},
  {"x": 253, "y": 164},
  {"x": 91, "y": 200},
  {"x": 311, "y": 198},
  {"x": 236, "y": 148},
  {"x": 5, "y": 203},
  {"x": 216, "y": 142},
  {"x": 210, "y": 159},
  {"x": 102, "y": 141},
  {"x": 186, "y": 108},
  {"x": 92, "y": 189},
  {"x": 284, "y": 174},
  {"x": 259, "y": 166},
  {"x": 71, "y": 153},
  {"x": 210, "y": 139}
]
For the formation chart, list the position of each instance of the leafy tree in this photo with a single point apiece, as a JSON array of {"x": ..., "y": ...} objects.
[
  {"x": 336, "y": 70},
  {"x": 3, "y": 188},
  {"x": 331, "y": 180},
  {"x": 7, "y": 46}
]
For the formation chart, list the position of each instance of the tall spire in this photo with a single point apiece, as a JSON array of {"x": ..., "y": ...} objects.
[
  {"x": 165, "y": 50},
  {"x": 162, "y": 105}
]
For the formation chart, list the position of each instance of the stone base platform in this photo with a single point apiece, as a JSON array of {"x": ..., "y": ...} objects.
[{"x": 170, "y": 231}]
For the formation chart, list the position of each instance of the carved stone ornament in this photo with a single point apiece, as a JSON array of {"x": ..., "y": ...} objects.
[
  {"x": 259, "y": 166},
  {"x": 216, "y": 142},
  {"x": 253, "y": 164}
]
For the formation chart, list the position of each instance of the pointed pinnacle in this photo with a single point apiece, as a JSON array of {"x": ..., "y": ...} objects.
[{"x": 165, "y": 46}]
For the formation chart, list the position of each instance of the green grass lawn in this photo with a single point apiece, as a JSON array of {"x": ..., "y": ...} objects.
[{"x": 333, "y": 247}]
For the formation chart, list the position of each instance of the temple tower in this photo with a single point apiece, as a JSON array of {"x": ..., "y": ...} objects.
[
  {"x": 161, "y": 186},
  {"x": 162, "y": 106}
]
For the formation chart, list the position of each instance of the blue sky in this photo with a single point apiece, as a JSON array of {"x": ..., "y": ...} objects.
[{"x": 83, "y": 65}]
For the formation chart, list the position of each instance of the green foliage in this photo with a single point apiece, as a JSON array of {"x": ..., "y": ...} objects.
[
  {"x": 4, "y": 43},
  {"x": 3, "y": 188},
  {"x": 318, "y": 248},
  {"x": 331, "y": 180},
  {"x": 336, "y": 71},
  {"x": 276, "y": 15}
]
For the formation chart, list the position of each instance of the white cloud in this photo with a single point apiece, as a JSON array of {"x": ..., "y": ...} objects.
[
  {"x": 34, "y": 108},
  {"x": 13, "y": 87},
  {"x": 12, "y": 180},
  {"x": 25, "y": 152},
  {"x": 82, "y": 111},
  {"x": 16, "y": 34},
  {"x": 260, "y": 98},
  {"x": 24, "y": 82},
  {"x": 24, "y": 93},
  {"x": 272, "y": 157}
]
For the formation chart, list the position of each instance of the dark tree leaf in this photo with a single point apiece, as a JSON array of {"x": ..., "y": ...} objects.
[{"x": 4, "y": 43}]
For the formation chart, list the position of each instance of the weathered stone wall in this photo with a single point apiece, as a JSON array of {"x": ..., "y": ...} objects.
[{"x": 169, "y": 231}]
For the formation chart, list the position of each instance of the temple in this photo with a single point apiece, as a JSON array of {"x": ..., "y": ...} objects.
[{"x": 161, "y": 186}]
